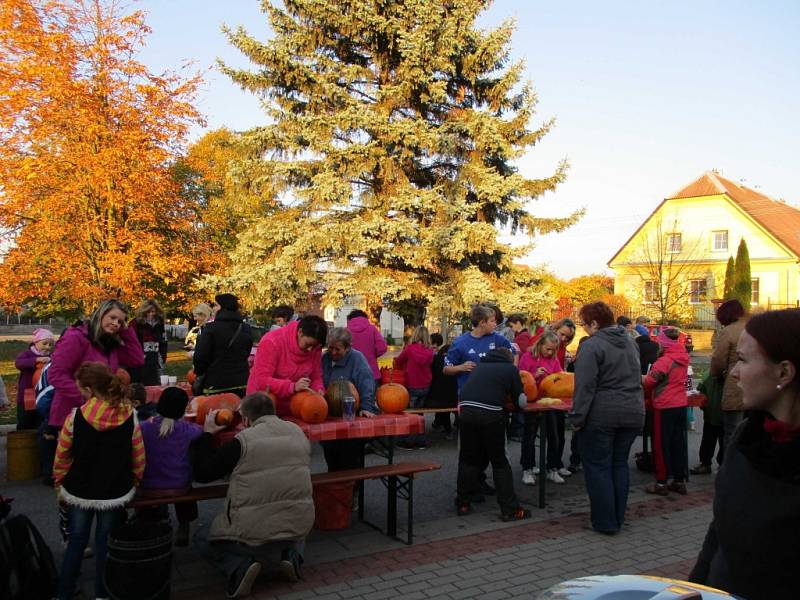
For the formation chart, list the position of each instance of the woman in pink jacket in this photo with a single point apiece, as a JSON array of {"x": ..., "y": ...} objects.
[
  {"x": 666, "y": 383},
  {"x": 289, "y": 359},
  {"x": 368, "y": 340}
]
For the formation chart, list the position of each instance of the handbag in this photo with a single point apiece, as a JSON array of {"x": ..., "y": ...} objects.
[{"x": 198, "y": 386}]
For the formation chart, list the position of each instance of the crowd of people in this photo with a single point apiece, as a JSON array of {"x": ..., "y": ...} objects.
[{"x": 102, "y": 449}]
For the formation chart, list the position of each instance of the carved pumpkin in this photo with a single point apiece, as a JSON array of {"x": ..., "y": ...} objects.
[
  {"x": 224, "y": 417},
  {"x": 557, "y": 385},
  {"x": 392, "y": 398},
  {"x": 336, "y": 393},
  {"x": 215, "y": 401},
  {"x": 313, "y": 408},
  {"x": 528, "y": 385},
  {"x": 37, "y": 373},
  {"x": 297, "y": 400},
  {"x": 124, "y": 376}
]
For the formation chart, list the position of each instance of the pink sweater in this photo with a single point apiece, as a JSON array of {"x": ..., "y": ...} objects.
[
  {"x": 416, "y": 359},
  {"x": 531, "y": 363},
  {"x": 280, "y": 364}
]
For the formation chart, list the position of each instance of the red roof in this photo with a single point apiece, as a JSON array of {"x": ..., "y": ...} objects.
[{"x": 778, "y": 218}]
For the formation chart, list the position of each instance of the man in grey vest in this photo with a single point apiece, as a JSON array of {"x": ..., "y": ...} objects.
[{"x": 269, "y": 508}]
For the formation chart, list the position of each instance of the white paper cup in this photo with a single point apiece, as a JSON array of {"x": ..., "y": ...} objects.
[
  {"x": 173, "y": 379},
  {"x": 164, "y": 380}
]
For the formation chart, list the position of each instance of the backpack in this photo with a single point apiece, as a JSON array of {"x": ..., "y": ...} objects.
[
  {"x": 43, "y": 393},
  {"x": 27, "y": 569}
]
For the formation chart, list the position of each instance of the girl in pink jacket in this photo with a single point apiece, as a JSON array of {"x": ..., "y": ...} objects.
[
  {"x": 666, "y": 384},
  {"x": 289, "y": 359},
  {"x": 416, "y": 359}
]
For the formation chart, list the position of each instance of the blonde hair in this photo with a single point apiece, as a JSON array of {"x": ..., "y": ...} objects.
[
  {"x": 546, "y": 337},
  {"x": 146, "y": 306},
  {"x": 421, "y": 335},
  {"x": 167, "y": 425},
  {"x": 203, "y": 309}
]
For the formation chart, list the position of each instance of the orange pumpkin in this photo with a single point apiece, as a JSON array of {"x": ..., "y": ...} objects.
[
  {"x": 528, "y": 385},
  {"x": 215, "y": 401},
  {"x": 190, "y": 376},
  {"x": 336, "y": 393},
  {"x": 124, "y": 376},
  {"x": 297, "y": 400},
  {"x": 557, "y": 385},
  {"x": 224, "y": 417},
  {"x": 314, "y": 408},
  {"x": 37, "y": 373},
  {"x": 392, "y": 398}
]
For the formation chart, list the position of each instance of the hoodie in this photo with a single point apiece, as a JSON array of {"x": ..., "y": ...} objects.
[
  {"x": 416, "y": 359},
  {"x": 102, "y": 470},
  {"x": 280, "y": 364},
  {"x": 666, "y": 382},
  {"x": 369, "y": 341},
  {"x": 608, "y": 382},
  {"x": 491, "y": 381}
]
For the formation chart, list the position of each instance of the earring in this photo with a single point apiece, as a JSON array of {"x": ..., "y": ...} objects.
[{"x": 778, "y": 386}]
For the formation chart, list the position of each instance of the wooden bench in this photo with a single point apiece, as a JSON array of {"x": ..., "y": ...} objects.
[
  {"x": 398, "y": 478},
  {"x": 430, "y": 411}
]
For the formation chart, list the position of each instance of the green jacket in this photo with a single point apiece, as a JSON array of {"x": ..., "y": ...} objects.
[{"x": 712, "y": 387}]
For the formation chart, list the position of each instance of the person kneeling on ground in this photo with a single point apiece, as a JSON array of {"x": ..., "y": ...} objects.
[
  {"x": 269, "y": 503},
  {"x": 483, "y": 435}
]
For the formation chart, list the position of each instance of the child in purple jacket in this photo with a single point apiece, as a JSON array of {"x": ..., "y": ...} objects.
[
  {"x": 27, "y": 361},
  {"x": 167, "y": 438}
]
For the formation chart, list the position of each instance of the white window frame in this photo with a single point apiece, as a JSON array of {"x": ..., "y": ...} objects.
[
  {"x": 714, "y": 246},
  {"x": 755, "y": 291},
  {"x": 698, "y": 296},
  {"x": 671, "y": 237}
]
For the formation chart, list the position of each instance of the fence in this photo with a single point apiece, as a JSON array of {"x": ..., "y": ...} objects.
[{"x": 704, "y": 315}]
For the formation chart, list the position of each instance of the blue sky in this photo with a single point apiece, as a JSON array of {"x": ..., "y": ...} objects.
[{"x": 647, "y": 96}]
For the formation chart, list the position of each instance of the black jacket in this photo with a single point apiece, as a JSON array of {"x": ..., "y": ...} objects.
[
  {"x": 648, "y": 352},
  {"x": 444, "y": 388},
  {"x": 751, "y": 548},
  {"x": 491, "y": 382},
  {"x": 225, "y": 368}
]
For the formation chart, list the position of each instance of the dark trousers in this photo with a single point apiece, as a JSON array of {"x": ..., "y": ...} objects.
[
  {"x": 443, "y": 420},
  {"x": 48, "y": 441},
  {"x": 604, "y": 454},
  {"x": 185, "y": 512},
  {"x": 341, "y": 455},
  {"x": 669, "y": 443},
  {"x": 26, "y": 419},
  {"x": 559, "y": 419},
  {"x": 574, "y": 453},
  {"x": 483, "y": 440},
  {"x": 712, "y": 434},
  {"x": 533, "y": 422}
]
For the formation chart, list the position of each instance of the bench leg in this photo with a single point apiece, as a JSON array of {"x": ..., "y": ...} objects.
[
  {"x": 410, "y": 500},
  {"x": 542, "y": 457},
  {"x": 391, "y": 508}
]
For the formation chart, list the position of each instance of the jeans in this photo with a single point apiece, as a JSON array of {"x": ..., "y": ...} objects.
[
  {"x": 527, "y": 456},
  {"x": 416, "y": 399},
  {"x": 228, "y": 556},
  {"x": 604, "y": 453},
  {"x": 80, "y": 526},
  {"x": 482, "y": 441}
]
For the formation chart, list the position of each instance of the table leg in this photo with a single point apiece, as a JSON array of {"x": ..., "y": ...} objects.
[
  {"x": 390, "y": 449},
  {"x": 410, "y": 510},
  {"x": 391, "y": 508},
  {"x": 542, "y": 457}
]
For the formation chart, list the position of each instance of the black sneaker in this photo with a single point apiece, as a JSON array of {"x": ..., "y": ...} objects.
[
  {"x": 574, "y": 468},
  {"x": 290, "y": 565},
  {"x": 243, "y": 579}
]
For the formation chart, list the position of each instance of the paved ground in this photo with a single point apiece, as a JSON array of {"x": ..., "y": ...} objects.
[{"x": 454, "y": 557}]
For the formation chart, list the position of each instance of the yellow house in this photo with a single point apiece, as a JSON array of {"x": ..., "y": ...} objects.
[{"x": 674, "y": 263}]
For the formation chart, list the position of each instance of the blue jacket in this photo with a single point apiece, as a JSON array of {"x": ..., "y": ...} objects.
[{"x": 355, "y": 369}]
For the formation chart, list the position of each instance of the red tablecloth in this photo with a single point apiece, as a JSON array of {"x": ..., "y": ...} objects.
[
  {"x": 339, "y": 429},
  {"x": 565, "y": 405},
  {"x": 154, "y": 391}
]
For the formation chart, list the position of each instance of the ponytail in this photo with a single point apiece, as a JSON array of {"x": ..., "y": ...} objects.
[{"x": 99, "y": 378}]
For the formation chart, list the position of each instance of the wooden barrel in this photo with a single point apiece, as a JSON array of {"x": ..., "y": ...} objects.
[{"x": 22, "y": 455}]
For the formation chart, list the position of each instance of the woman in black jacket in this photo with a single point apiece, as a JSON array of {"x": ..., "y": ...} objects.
[
  {"x": 751, "y": 547},
  {"x": 220, "y": 356}
]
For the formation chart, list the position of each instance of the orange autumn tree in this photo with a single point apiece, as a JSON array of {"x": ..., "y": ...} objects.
[{"x": 89, "y": 206}]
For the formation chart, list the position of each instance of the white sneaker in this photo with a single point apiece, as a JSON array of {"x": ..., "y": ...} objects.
[
  {"x": 552, "y": 475},
  {"x": 535, "y": 470},
  {"x": 528, "y": 478},
  {"x": 564, "y": 472}
]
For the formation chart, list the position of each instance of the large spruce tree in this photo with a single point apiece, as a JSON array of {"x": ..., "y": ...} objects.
[{"x": 394, "y": 131}]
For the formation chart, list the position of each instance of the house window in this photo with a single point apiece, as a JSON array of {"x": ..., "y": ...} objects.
[
  {"x": 720, "y": 240},
  {"x": 697, "y": 291},
  {"x": 754, "y": 297},
  {"x": 674, "y": 242},
  {"x": 650, "y": 289}
]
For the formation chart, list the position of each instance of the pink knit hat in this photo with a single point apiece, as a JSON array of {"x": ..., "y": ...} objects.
[
  {"x": 42, "y": 334},
  {"x": 663, "y": 340}
]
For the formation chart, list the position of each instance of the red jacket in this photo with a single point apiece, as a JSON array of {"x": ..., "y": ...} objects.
[
  {"x": 666, "y": 382},
  {"x": 523, "y": 340},
  {"x": 280, "y": 364},
  {"x": 416, "y": 359}
]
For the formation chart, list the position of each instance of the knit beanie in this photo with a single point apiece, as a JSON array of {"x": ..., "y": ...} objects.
[
  {"x": 42, "y": 334},
  {"x": 228, "y": 302},
  {"x": 172, "y": 403}
]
